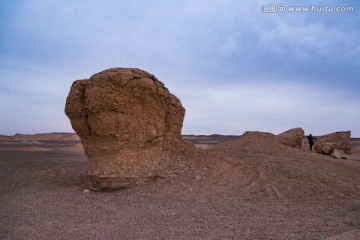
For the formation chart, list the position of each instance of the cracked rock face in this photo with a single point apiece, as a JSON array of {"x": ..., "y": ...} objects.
[
  {"x": 292, "y": 137},
  {"x": 126, "y": 120},
  {"x": 337, "y": 140}
]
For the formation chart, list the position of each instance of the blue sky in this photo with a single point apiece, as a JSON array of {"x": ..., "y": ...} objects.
[{"x": 234, "y": 67}]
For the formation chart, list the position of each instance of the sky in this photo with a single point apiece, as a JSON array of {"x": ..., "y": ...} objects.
[{"x": 235, "y": 65}]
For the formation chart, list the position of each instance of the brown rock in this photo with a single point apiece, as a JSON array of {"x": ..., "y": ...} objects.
[
  {"x": 292, "y": 137},
  {"x": 305, "y": 144},
  {"x": 341, "y": 141},
  {"x": 327, "y": 147},
  {"x": 257, "y": 134},
  {"x": 338, "y": 154},
  {"x": 127, "y": 121}
]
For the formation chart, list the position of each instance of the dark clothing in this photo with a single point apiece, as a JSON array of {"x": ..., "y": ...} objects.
[{"x": 311, "y": 141}]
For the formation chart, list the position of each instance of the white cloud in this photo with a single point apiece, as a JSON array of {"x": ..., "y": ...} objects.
[{"x": 306, "y": 35}]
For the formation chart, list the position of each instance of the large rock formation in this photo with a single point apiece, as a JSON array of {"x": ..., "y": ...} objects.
[
  {"x": 337, "y": 140},
  {"x": 128, "y": 121},
  {"x": 292, "y": 137}
]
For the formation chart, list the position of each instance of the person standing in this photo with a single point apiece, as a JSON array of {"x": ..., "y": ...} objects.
[{"x": 311, "y": 141}]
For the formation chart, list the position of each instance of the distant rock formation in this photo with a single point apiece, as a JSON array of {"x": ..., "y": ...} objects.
[
  {"x": 334, "y": 141},
  {"x": 46, "y": 136},
  {"x": 127, "y": 121},
  {"x": 292, "y": 137},
  {"x": 257, "y": 134},
  {"x": 254, "y": 143}
]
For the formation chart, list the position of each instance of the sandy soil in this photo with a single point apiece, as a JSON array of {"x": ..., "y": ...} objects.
[{"x": 235, "y": 189}]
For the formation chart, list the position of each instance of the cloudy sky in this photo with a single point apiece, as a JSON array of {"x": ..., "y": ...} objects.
[{"x": 233, "y": 66}]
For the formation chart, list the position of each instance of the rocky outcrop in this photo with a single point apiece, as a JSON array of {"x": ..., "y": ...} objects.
[
  {"x": 128, "y": 122},
  {"x": 338, "y": 154},
  {"x": 327, "y": 147},
  {"x": 292, "y": 137},
  {"x": 337, "y": 140},
  {"x": 257, "y": 134}
]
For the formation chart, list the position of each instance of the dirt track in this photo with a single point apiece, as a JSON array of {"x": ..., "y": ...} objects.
[{"x": 248, "y": 194}]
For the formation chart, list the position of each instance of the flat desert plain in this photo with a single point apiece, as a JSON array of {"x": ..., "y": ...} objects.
[{"x": 244, "y": 190}]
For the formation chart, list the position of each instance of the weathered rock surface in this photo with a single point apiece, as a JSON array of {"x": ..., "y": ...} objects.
[
  {"x": 338, "y": 154},
  {"x": 327, "y": 147},
  {"x": 292, "y": 137},
  {"x": 257, "y": 134},
  {"x": 128, "y": 122},
  {"x": 337, "y": 140}
]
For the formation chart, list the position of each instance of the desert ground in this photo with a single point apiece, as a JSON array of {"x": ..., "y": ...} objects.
[{"x": 244, "y": 190}]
